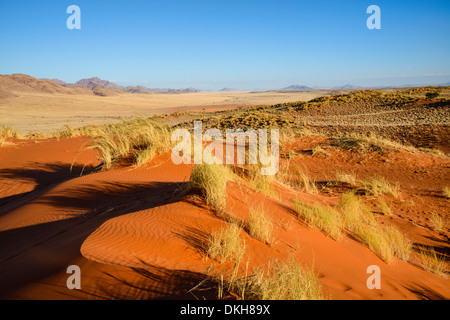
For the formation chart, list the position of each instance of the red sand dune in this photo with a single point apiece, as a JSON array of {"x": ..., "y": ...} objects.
[{"x": 135, "y": 237}]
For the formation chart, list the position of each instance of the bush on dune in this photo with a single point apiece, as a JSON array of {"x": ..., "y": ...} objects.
[
  {"x": 211, "y": 180},
  {"x": 141, "y": 139}
]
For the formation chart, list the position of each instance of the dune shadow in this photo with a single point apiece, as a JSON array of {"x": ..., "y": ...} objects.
[
  {"x": 195, "y": 238},
  {"x": 425, "y": 293},
  {"x": 48, "y": 173},
  {"x": 158, "y": 283},
  {"x": 43, "y": 176},
  {"x": 442, "y": 251},
  {"x": 31, "y": 253},
  {"x": 101, "y": 196}
]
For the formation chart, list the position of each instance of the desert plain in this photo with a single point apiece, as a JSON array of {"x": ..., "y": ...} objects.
[{"x": 88, "y": 180}]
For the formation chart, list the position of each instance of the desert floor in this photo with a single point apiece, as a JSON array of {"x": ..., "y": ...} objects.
[
  {"x": 136, "y": 235},
  {"x": 49, "y": 112}
]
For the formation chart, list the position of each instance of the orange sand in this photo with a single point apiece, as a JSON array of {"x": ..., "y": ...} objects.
[{"x": 135, "y": 237}]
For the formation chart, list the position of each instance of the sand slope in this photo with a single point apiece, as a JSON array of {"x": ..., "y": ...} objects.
[{"x": 135, "y": 237}]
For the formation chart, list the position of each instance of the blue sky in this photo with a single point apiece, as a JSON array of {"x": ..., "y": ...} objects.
[{"x": 240, "y": 44}]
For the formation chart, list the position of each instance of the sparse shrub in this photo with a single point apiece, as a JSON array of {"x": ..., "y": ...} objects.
[
  {"x": 287, "y": 225},
  {"x": 142, "y": 156},
  {"x": 378, "y": 186},
  {"x": 260, "y": 226},
  {"x": 36, "y": 135},
  {"x": 308, "y": 185},
  {"x": 111, "y": 147},
  {"x": 8, "y": 132},
  {"x": 385, "y": 208},
  {"x": 432, "y": 95},
  {"x": 375, "y": 240},
  {"x": 431, "y": 262},
  {"x": 400, "y": 245},
  {"x": 92, "y": 131},
  {"x": 211, "y": 180},
  {"x": 130, "y": 138},
  {"x": 323, "y": 218},
  {"x": 226, "y": 244},
  {"x": 438, "y": 221},
  {"x": 433, "y": 151},
  {"x": 67, "y": 132},
  {"x": 383, "y": 241},
  {"x": 446, "y": 192},
  {"x": 365, "y": 143},
  {"x": 285, "y": 175},
  {"x": 349, "y": 178},
  {"x": 263, "y": 184},
  {"x": 282, "y": 281},
  {"x": 318, "y": 150},
  {"x": 354, "y": 211}
]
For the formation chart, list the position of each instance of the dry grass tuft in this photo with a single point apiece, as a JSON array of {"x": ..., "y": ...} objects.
[
  {"x": 385, "y": 242},
  {"x": 401, "y": 246},
  {"x": 349, "y": 178},
  {"x": 446, "y": 192},
  {"x": 211, "y": 180},
  {"x": 366, "y": 143},
  {"x": 289, "y": 134},
  {"x": 354, "y": 211},
  {"x": 134, "y": 138},
  {"x": 8, "y": 132},
  {"x": 260, "y": 226},
  {"x": 385, "y": 208},
  {"x": 226, "y": 244},
  {"x": 438, "y": 221},
  {"x": 378, "y": 186},
  {"x": 282, "y": 281},
  {"x": 375, "y": 241},
  {"x": 142, "y": 156},
  {"x": 263, "y": 184},
  {"x": 317, "y": 150},
  {"x": 431, "y": 262},
  {"x": 323, "y": 218},
  {"x": 308, "y": 185}
]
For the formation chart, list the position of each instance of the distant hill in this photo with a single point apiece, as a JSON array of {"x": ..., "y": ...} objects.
[
  {"x": 347, "y": 86},
  {"x": 228, "y": 89},
  {"x": 96, "y": 83},
  {"x": 93, "y": 83},
  {"x": 297, "y": 87},
  {"x": 187, "y": 90},
  {"x": 13, "y": 84},
  {"x": 57, "y": 81}
]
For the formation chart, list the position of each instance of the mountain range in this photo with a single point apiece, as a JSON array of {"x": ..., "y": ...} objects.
[
  {"x": 302, "y": 87},
  {"x": 297, "y": 87},
  {"x": 96, "y": 84},
  {"x": 350, "y": 86},
  {"x": 14, "y": 84}
]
